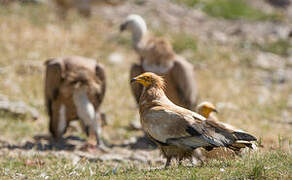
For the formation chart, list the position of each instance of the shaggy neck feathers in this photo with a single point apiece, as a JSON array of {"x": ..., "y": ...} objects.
[
  {"x": 138, "y": 28},
  {"x": 155, "y": 91}
]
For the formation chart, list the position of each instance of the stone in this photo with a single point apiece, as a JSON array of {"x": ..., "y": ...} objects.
[
  {"x": 269, "y": 61},
  {"x": 17, "y": 108}
]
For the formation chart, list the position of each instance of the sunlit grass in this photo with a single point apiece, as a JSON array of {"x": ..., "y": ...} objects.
[
  {"x": 230, "y": 9},
  {"x": 272, "y": 165}
]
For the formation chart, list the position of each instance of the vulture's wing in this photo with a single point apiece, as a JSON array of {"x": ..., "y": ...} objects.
[
  {"x": 53, "y": 80},
  {"x": 136, "y": 88},
  {"x": 100, "y": 74},
  {"x": 189, "y": 130},
  {"x": 183, "y": 76},
  {"x": 170, "y": 127}
]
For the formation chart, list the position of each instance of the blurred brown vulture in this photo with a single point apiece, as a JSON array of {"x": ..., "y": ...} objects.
[
  {"x": 156, "y": 55},
  {"x": 74, "y": 89},
  {"x": 178, "y": 131},
  {"x": 83, "y": 6}
]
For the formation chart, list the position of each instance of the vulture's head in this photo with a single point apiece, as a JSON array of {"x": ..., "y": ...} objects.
[
  {"x": 205, "y": 108},
  {"x": 82, "y": 80},
  {"x": 149, "y": 79},
  {"x": 134, "y": 23}
]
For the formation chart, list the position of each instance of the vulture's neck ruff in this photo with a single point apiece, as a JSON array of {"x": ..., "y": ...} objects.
[{"x": 138, "y": 28}]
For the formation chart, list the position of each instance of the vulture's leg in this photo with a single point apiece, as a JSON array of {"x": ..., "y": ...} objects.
[
  {"x": 86, "y": 113},
  {"x": 62, "y": 12},
  {"x": 168, "y": 160},
  {"x": 58, "y": 121},
  {"x": 199, "y": 156},
  {"x": 84, "y": 8},
  {"x": 136, "y": 88},
  {"x": 180, "y": 161},
  {"x": 98, "y": 122}
]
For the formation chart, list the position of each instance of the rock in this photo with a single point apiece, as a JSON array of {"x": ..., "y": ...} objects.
[
  {"x": 269, "y": 61},
  {"x": 17, "y": 108},
  {"x": 279, "y": 3},
  {"x": 116, "y": 58},
  {"x": 220, "y": 37}
]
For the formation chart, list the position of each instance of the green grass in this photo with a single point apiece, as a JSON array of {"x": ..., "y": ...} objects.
[
  {"x": 231, "y": 9},
  {"x": 235, "y": 9},
  {"x": 183, "y": 42},
  {"x": 190, "y": 3},
  {"x": 272, "y": 165},
  {"x": 281, "y": 47}
]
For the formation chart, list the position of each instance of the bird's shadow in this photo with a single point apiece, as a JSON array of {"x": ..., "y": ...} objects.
[
  {"x": 141, "y": 143},
  {"x": 43, "y": 142},
  {"x": 46, "y": 143}
]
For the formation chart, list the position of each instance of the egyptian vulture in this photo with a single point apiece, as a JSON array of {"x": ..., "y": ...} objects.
[
  {"x": 157, "y": 56},
  {"x": 178, "y": 131},
  {"x": 74, "y": 89},
  {"x": 206, "y": 109}
]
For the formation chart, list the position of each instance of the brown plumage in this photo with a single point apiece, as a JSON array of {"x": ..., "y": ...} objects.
[
  {"x": 157, "y": 55},
  {"x": 176, "y": 130},
  {"x": 83, "y": 6},
  {"x": 74, "y": 89}
]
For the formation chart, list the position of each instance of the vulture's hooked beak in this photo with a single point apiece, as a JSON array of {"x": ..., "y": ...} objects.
[
  {"x": 123, "y": 27},
  {"x": 215, "y": 110},
  {"x": 133, "y": 80}
]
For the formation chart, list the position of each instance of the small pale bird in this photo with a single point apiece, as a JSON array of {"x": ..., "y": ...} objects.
[
  {"x": 178, "y": 131},
  {"x": 157, "y": 56},
  {"x": 74, "y": 89}
]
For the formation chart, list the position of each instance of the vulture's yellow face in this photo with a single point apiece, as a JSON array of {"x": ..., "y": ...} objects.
[
  {"x": 205, "y": 108},
  {"x": 149, "y": 79}
]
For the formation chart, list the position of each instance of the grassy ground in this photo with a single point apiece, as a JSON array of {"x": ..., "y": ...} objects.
[
  {"x": 271, "y": 165},
  {"x": 31, "y": 34}
]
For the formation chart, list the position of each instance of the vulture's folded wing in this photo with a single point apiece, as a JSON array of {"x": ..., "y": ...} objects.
[
  {"x": 53, "y": 80},
  {"x": 172, "y": 128},
  {"x": 101, "y": 76},
  {"x": 215, "y": 134},
  {"x": 189, "y": 130},
  {"x": 183, "y": 76}
]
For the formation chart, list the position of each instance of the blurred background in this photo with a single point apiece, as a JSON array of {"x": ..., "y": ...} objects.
[{"x": 241, "y": 49}]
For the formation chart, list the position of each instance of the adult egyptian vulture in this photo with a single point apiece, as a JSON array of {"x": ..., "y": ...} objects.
[
  {"x": 74, "y": 89},
  {"x": 178, "y": 131},
  {"x": 157, "y": 55}
]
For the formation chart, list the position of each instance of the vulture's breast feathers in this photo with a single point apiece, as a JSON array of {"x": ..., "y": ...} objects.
[{"x": 158, "y": 56}]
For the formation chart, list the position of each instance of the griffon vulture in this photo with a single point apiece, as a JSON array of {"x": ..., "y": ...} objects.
[
  {"x": 83, "y": 6},
  {"x": 157, "y": 55},
  {"x": 74, "y": 89}
]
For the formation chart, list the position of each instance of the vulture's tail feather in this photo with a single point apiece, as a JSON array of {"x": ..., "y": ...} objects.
[{"x": 242, "y": 140}]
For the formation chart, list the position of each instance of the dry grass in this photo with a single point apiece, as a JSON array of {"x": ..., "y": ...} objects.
[{"x": 31, "y": 34}]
